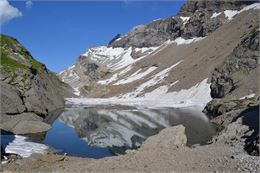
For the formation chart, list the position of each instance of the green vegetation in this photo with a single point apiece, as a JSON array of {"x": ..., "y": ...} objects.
[
  {"x": 11, "y": 44},
  {"x": 37, "y": 65},
  {"x": 6, "y": 40},
  {"x": 9, "y": 63},
  {"x": 87, "y": 88}
]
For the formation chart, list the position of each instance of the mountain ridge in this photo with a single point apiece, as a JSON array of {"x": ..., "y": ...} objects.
[{"x": 142, "y": 60}]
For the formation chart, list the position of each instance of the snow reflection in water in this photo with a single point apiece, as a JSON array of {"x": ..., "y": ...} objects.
[{"x": 105, "y": 130}]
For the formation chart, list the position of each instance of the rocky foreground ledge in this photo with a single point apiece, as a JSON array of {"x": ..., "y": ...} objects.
[{"x": 234, "y": 149}]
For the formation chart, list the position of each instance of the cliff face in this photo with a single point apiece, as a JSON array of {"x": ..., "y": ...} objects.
[
  {"x": 195, "y": 19},
  {"x": 27, "y": 86}
]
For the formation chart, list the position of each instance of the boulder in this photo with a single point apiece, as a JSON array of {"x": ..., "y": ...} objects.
[
  {"x": 11, "y": 102},
  {"x": 25, "y": 123},
  {"x": 30, "y": 127},
  {"x": 168, "y": 137}
]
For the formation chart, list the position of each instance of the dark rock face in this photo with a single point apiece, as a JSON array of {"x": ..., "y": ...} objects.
[
  {"x": 243, "y": 59},
  {"x": 153, "y": 34},
  {"x": 218, "y": 107},
  {"x": 192, "y": 6},
  {"x": 199, "y": 24},
  {"x": 11, "y": 101},
  {"x": 221, "y": 84},
  {"x": 89, "y": 70},
  {"x": 115, "y": 38},
  {"x": 27, "y": 88}
]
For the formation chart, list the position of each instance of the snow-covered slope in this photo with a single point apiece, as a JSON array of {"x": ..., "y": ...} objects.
[{"x": 173, "y": 73}]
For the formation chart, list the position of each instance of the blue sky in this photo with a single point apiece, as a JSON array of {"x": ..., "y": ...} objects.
[{"x": 56, "y": 33}]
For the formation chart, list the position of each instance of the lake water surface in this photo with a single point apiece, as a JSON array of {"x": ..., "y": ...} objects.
[{"x": 103, "y": 131}]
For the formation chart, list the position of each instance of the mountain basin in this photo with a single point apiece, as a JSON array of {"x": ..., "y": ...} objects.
[{"x": 107, "y": 130}]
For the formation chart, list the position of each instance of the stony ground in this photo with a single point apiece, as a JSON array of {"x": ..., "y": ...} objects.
[{"x": 209, "y": 158}]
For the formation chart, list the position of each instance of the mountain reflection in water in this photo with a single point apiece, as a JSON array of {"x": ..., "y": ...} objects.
[{"x": 118, "y": 128}]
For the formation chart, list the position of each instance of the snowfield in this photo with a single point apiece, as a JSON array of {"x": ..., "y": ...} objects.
[
  {"x": 198, "y": 95},
  {"x": 20, "y": 145},
  {"x": 136, "y": 76},
  {"x": 156, "y": 79},
  {"x": 115, "y": 58},
  {"x": 230, "y": 14}
]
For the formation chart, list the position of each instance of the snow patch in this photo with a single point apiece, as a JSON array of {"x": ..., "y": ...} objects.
[
  {"x": 76, "y": 91},
  {"x": 118, "y": 39},
  {"x": 252, "y": 6},
  {"x": 157, "y": 19},
  {"x": 248, "y": 96},
  {"x": 113, "y": 78},
  {"x": 230, "y": 13},
  {"x": 180, "y": 40},
  {"x": 71, "y": 67},
  {"x": 20, "y": 145},
  {"x": 156, "y": 79},
  {"x": 185, "y": 19},
  {"x": 136, "y": 76},
  {"x": 215, "y": 15}
]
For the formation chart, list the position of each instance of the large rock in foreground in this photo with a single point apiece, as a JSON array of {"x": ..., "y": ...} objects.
[
  {"x": 25, "y": 123},
  {"x": 168, "y": 137}
]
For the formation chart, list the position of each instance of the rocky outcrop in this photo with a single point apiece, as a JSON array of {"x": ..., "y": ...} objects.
[
  {"x": 240, "y": 129},
  {"x": 243, "y": 59},
  {"x": 192, "y": 6},
  {"x": 193, "y": 20},
  {"x": 27, "y": 87},
  {"x": 237, "y": 116},
  {"x": 218, "y": 107}
]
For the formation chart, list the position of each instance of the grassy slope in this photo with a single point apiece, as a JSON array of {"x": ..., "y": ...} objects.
[{"x": 10, "y": 45}]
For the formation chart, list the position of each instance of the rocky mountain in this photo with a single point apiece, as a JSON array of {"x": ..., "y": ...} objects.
[
  {"x": 168, "y": 55},
  {"x": 206, "y": 56},
  {"x": 195, "y": 19},
  {"x": 29, "y": 91}
]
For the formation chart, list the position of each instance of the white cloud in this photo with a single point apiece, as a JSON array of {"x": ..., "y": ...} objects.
[
  {"x": 7, "y": 12},
  {"x": 28, "y": 3}
]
